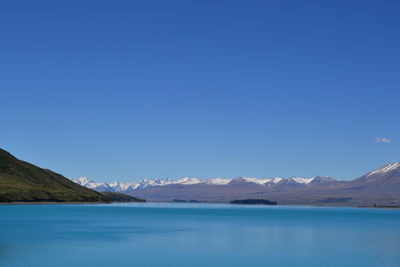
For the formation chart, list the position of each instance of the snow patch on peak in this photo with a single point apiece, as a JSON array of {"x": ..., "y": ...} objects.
[
  {"x": 217, "y": 181},
  {"x": 156, "y": 182},
  {"x": 386, "y": 169},
  {"x": 263, "y": 180},
  {"x": 250, "y": 180},
  {"x": 82, "y": 180},
  {"x": 276, "y": 180},
  {"x": 322, "y": 179},
  {"x": 301, "y": 180},
  {"x": 188, "y": 180}
]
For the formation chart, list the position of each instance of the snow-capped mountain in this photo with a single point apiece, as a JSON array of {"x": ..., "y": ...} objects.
[
  {"x": 101, "y": 187},
  {"x": 389, "y": 168},
  {"x": 380, "y": 186},
  {"x": 131, "y": 187},
  {"x": 217, "y": 181},
  {"x": 387, "y": 177}
]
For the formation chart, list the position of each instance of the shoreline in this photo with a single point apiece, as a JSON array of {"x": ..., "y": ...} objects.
[
  {"x": 52, "y": 203},
  {"x": 282, "y": 205}
]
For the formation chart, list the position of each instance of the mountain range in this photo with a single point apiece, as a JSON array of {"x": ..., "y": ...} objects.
[
  {"x": 379, "y": 187},
  {"x": 21, "y": 181}
]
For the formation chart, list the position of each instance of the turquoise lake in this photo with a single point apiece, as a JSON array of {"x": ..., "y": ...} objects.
[{"x": 152, "y": 234}]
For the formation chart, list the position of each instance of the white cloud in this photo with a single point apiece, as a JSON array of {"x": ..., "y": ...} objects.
[{"x": 382, "y": 140}]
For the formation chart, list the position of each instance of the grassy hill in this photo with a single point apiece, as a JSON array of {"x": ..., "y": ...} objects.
[{"x": 24, "y": 182}]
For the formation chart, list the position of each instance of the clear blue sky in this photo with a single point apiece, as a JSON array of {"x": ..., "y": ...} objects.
[{"x": 122, "y": 90}]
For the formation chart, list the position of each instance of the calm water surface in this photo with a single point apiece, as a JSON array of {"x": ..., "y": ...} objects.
[{"x": 197, "y": 235}]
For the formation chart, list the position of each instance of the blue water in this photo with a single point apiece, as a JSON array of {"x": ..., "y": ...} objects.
[{"x": 197, "y": 235}]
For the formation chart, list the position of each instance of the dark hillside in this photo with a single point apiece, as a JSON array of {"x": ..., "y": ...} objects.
[{"x": 24, "y": 182}]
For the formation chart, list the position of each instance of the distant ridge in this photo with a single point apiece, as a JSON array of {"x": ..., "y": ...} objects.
[
  {"x": 147, "y": 183},
  {"x": 378, "y": 187}
]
